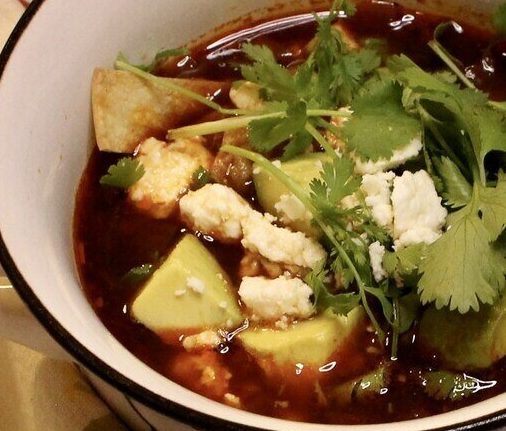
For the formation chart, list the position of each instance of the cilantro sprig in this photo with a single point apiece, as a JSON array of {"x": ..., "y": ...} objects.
[
  {"x": 463, "y": 268},
  {"x": 125, "y": 173},
  {"x": 393, "y": 103},
  {"x": 347, "y": 255}
]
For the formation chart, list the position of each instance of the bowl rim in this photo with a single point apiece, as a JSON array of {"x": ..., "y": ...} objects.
[{"x": 106, "y": 372}]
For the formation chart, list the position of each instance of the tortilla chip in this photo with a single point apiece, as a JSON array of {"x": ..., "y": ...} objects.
[{"x": 128, "y": 109}]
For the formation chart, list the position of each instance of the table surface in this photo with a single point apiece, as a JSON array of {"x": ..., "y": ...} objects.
[{"x": 38, "y": 392}]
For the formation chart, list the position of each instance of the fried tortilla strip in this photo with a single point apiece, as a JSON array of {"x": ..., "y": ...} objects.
[{"x": 127, "y": 109}]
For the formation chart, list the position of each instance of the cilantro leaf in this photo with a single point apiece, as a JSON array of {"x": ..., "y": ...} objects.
[
  {"x": 411, "y": 75},
  {"x": 445, "y": 385},
  {"x": 380, "y": 124},
  {"x": 268, "y": 133},
  {"x": 200, "y": 178},
  {"x": 462, "y": 268},
  {"x": 297, "y": 145},
  {"x": 139, "y": 273},
  {"x": 123, "y": 174},
  {"x": 277, "y": 82},
  {"x": 160, "y": 55},
  {"x": 338, "y": 71},
  {"x": 457, "y": 190},
  {"x": 408, "y": 307},
  {"x": 492, "y": 207},
  {"x": 405, "y": 261},
  {"x": 340, "y": 304},
  {"x": 491, "y": 135},
  {"x": 336, "y": 182}
]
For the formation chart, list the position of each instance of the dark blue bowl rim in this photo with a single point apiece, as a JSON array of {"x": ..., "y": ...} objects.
[{"x": 107, "y": 373}]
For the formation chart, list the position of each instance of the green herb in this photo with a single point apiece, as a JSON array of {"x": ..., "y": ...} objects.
[
  {"x": 333, "y": 72},
  {"x": 276, "y": 81},
  {"x": 348, "y": 250},
  {"x": 404, "y": 262},
  {"x": 326, "y": 80},
  {"x": 170, "y": 85},
  {"x": 464, "y": 267},
  {"x": 457, "y": 190},
  {"x": 393, "y": 104},
  {"x": 138, "y": 273},
  {"x": 268, "y": 133},
  {"x": 380, "y": 125},
  {"x": 123, "y": 174},
  {"x": 338, "y": 303},
  {"x": 200, "y": 178},
  {"x": 159, "y": 56},
  {"x": 445, "y": 385}
]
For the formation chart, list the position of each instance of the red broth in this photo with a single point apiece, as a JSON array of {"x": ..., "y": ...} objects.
[{"x": 111, "y": 237}]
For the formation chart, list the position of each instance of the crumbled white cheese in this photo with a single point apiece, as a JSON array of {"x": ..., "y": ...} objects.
[
  {"x": 376, "y": 253},
  {"x": 399, "y": 157},
  {"x": 291, "y": 209},
  {"x": 168, "y": 171},
  {"x": 246, "y": 95},
  {"x": 282, "y": 323},
  {"x": 208, "y": 376},
  {"x": 219, "y": 211},
  {"x": 203, "y": 340},
  {"x": 195, "y": 284},
  {"x": 179, "y": 292},
  {"x": 377, "y": 190},
  {"x": 418, "y": 213},
  {"x": 215, "y": 209},
  {"x": 232, "y": 400},
  {"x": 280, "y": 244},
  {"x": 273, "y": 299}
]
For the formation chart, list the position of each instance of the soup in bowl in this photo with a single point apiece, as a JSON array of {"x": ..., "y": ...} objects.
[{"x": 277, "y": 217}]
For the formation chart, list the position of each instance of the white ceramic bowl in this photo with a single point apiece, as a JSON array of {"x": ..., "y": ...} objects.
[{"x": 45, "y": 138}]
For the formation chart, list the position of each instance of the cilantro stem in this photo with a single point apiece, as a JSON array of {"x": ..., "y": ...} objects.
[
  {"x": 428, "y": 121},
  {"x": 300, "y": 194},
  {"x": 218, "y": 126},
  {"x": 330, "y": 127},
  {"x": 344, "y": 112},
  {"x": 320, "y": 139},
  {"x": 395, "y": 329},
  {"x": 445, "y": 56},
  {"x": 172, "y": 86},
  {"x": 237, "y": 122}
]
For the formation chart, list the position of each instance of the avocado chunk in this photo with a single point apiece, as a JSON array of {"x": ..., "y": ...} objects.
[
  {"x": 466, "y": 341},
  {"x": 269, "y": 190},
  {"x": 310, "y": 342},
  {"x": 188, "y": 291}
]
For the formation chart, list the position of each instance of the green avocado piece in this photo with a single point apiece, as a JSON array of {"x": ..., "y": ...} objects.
[
  {"x": 188, "y": 291},
  {"x": 466, "y": 341},
  {"x": 310, "y": 342},
  {"x": 302, "y": 170}
]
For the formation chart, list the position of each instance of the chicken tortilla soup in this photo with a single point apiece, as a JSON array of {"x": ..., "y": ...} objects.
[{"x": 304, "y": 217}]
